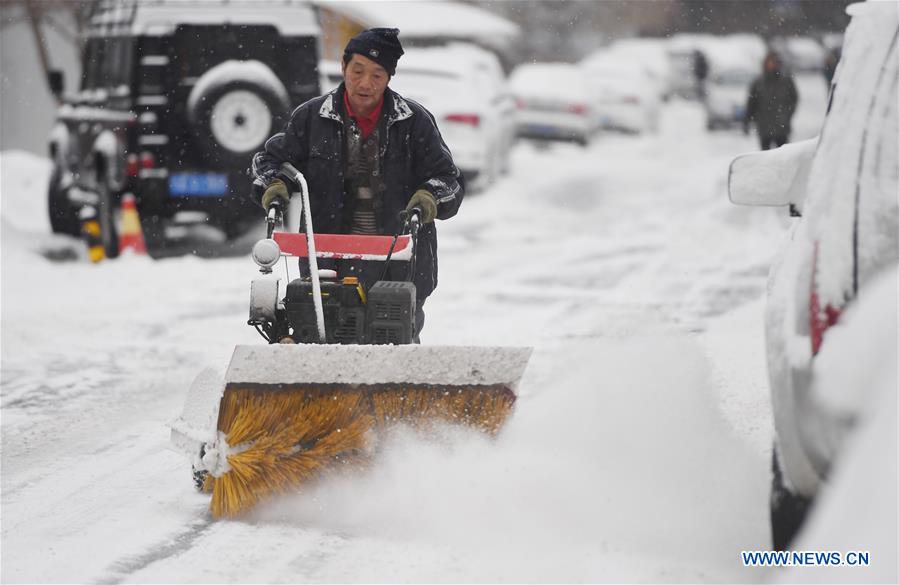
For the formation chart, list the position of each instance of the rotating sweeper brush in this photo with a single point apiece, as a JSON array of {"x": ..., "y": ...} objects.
[{"x": 340, "y": 367}]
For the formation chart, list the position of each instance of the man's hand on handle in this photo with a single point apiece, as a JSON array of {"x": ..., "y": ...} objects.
[
  {"x": 276, "y": 191},
  {"x": 423, "y": 200}
]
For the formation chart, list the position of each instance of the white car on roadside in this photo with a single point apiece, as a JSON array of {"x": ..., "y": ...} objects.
[
  {"x": 464, "y": 86},
  {"x": 801, "y": 54},
  {"x": 727, "y": 90},
  {"x": 843, "y": 188},
  {"x": 553, "y": 102},
  {"x": 734, "y": 62},
  {"x": 651, "y": 55},
  {"x": 625, "y": 97}
]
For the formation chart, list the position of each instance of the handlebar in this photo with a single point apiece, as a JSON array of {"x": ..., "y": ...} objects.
[{"x": 275, "y": 216}]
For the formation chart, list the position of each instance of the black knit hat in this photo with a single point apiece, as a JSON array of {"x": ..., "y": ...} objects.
[{"x": 381, "y": 45}]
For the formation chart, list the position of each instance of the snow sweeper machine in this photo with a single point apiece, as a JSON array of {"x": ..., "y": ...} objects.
[{"x": 340, "y": 367}]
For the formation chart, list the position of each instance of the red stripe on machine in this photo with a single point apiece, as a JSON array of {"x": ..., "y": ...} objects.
[{"x": 345, "y": 246}]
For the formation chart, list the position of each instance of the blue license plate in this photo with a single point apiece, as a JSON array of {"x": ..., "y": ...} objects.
[
  {"x": 541, "y": 129},
  {"x": 198, "y": 184}
]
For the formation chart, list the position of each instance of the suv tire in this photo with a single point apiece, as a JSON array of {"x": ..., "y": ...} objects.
[
  {"x": 63, "y": 215},
  {"x": 106, "y": 215},
  {"x": 788, "y": 510},
  {"x": 234, "y": 120}
]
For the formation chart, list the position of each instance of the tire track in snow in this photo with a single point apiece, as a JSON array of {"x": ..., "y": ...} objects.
[{"x": 176, "y": 545}]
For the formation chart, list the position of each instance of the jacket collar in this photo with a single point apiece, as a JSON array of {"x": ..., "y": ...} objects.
[{"x": 397, "y": 107}]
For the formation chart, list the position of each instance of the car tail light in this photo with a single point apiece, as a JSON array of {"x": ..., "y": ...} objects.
[
  {"x": 147, "y": 160},
  {"x": 579, "y": 109},
  {"x": 470, "y": 119},
  {"x": 131, "y": 165},
  {"x": 631, "y": 99},
  {"x": 820, "y": 318},
  {"x": 520, "y": 104}
]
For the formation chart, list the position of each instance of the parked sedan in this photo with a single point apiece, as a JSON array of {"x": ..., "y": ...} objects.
[
  {"x": 843, "y": 189},
  {"x": 626, "y": 98},
  {"x": 553, "y": 103},
  {"x": 726, "y": 94},
  {"x": 652, "y": 55},
  {"x": 465, "y": 88}
]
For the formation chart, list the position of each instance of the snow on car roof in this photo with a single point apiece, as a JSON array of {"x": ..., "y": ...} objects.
[
  {"x": 438, "y": 18},
  {"x": 456, "y": 59},
  {"x": 554, "y": 80},
  {"x": 161, "y": 17}
]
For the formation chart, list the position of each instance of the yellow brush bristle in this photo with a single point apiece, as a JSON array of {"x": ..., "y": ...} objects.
[{"x": 282, "y": 438}]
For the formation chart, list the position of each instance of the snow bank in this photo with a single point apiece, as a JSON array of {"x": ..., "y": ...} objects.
[
  {"x": 856, "y": 373},
  {"x": 24, "y": 180},
  {"x": 859, "y": 349}
]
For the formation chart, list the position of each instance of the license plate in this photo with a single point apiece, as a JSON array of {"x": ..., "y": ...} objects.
[
  {"x": 198, "y": 184},
  {"x": 541, "y": 129}
]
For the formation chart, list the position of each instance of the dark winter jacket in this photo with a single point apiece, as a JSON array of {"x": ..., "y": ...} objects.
[
  {"x": 771, "y": 104},
  {"x": 412, "y": 156}
]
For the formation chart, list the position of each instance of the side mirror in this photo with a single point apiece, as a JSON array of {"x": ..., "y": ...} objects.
[
  {"x": 56, "y": 82},
  {"x": 772, "y": 177}
]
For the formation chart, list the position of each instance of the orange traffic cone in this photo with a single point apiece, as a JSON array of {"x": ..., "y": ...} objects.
[{"x": 131, "y": 237}]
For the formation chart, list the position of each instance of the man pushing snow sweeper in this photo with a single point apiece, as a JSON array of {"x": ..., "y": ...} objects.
[
  {"x": 367, "y": 154},
  {"x": 370, "y": 173}
]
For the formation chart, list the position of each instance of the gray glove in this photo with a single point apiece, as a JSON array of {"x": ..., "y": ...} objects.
[
  {"x": 425, "y": 201},
  {"x": 277, "y": 190}
]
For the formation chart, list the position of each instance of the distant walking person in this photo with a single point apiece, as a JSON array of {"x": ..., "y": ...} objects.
[
  {"x": 700, "y": 72},
  {"x": 772, "y": 103}
]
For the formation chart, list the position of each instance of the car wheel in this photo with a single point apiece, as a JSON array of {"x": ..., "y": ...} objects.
[
  {"x": 63, "y": 215},
  {"x": 106, "y": 208},
  {"x": 234, "y": 121},
  {"x": 788, "y": 510}
]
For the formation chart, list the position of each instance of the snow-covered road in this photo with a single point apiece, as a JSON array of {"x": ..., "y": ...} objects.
[{"x": 639, "y": 450}]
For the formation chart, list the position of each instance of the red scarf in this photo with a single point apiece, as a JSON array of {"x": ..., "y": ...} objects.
[{"x": 366, "y": 123}]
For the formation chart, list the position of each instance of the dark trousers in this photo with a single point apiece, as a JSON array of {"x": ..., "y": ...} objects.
[
  {"x": 769, "y": 142},
  {"x": 419, "y": 320}
]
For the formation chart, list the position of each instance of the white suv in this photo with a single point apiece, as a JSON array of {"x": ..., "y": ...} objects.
[{"x": 843, "y": 188}]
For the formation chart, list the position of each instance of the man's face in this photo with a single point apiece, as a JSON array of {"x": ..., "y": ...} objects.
[{"x": 365, "y": 83}]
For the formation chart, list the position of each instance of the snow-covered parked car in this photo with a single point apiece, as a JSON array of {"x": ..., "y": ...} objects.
[
  {"x": 651, "y": 55},
  {"x": 174, "y": 100},
  {"x": 801, "y": 54},
  {"x": 734, "y": 62},
  {"x": 465, "y": 88},
  {"x": 553, "y": 103},
  {"x": 625, "y": 97},
  {"x": 682, "y": 51},
  {"x": 842, "y": 188},
  {"x": 727, "y": 90}
]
